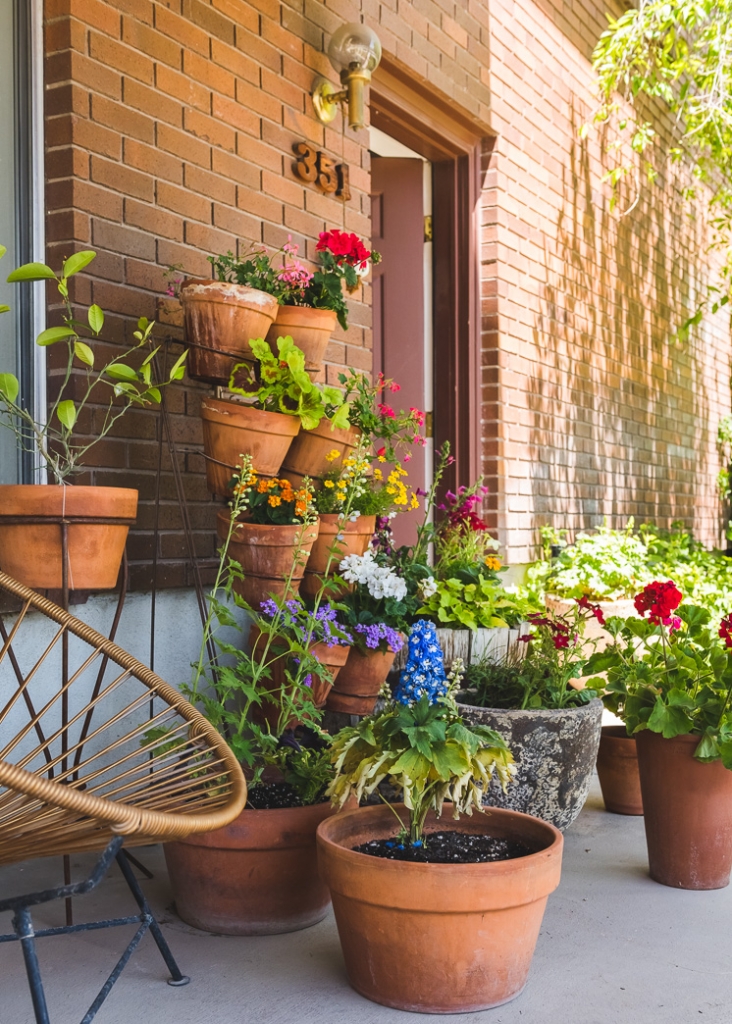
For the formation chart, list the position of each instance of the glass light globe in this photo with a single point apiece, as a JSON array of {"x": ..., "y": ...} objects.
[{"x": 354, "y": 44}]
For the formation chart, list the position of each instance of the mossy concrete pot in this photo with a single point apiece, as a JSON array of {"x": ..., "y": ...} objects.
[{"x": 555, "y": 754}]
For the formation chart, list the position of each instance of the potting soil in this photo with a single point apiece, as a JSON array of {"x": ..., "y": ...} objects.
[{"x": 446, "y": 848}]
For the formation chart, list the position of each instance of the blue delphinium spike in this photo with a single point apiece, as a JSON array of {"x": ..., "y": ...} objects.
[{"x": 424, "y": 672}]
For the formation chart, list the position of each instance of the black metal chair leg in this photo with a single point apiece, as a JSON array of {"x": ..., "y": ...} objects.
[
  {"x": 23, "y": 925},
  {"x": 176, "y": 978}
]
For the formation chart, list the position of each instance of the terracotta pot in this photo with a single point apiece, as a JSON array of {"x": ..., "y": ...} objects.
[
  {"x": 617, "y": 768},
  {"x": 268, "y": 554},
  {"x": 555, "y": 753},
  {"x": 355, "y": 539},
  {"x": 359, "y": 682},
  {"x": 257, "y": 876},
  {"x": 30, "y": 534},
  {"x": 688, "y": 813},
  {"x": 307, "y": 453},
  {"x": 438, "y": 938},
  {"x": 231, "y": 429},
  {"x": 222, "y": 318},
  {"x": 333, "y": 657},
  {"x": 309, "y": 328}
]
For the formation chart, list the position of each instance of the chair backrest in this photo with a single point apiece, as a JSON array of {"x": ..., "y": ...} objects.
[{"x": 93, "y": 744}]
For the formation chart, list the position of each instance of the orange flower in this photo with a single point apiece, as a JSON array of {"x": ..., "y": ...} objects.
[
  {"x": 274, "y": 501},
  {"x": 262, "y": 486}
]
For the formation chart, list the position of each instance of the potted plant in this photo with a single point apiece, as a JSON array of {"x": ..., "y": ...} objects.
[
  {"x": 431, "y": 918},
  {"x": 258, "y": 875},
  {"x": 617, "y": 770},
  {"x": 353, "y": 497},
  {"x": 536, "y": 698},
  {"x": 372, "y": 426},
  {"x": 669, "y": 677},
  {"x": 281, "y": 398},
  {"x": 310, "y": 302},
  {"x": 222, "y": 314},
  {"x": 98, "y": 518},
  {"x": 272, "y": 538}
]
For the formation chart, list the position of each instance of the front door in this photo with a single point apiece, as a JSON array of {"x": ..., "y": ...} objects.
[{"x": 399, "y": 299}]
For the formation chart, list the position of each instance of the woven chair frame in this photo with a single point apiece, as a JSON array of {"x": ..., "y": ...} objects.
[{"x": 66, "y": 793}]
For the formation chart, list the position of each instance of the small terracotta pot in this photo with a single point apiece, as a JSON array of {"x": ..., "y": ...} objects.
[
  {"x": 231, "y": 429},
  {"x": 688, "y": 813},
  {"x": 438, "y": 938},
  {"x": 354, "y": 540},
  {"x": 617, "y": 768},
  {"x": 334, "y": 658},
  {"x": 268, "y": 555},
  {"x": 359, "y": 682},
  {"x": 31, "y": 538},
  {"x": 309, "y": 328},
  {"x": 257, "y": 876},
  {"x": 307, "y": 453},
  {"x": 222, "y": 318}
]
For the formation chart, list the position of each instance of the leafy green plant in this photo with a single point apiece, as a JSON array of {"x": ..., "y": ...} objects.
[
  {"x": 427, "y": 751},
  {"x": 254, "y": 270},
  {"x": 285, "y": 386},
  {"x": 117, "y": 384},
  {"x": 382, "y": 427},
  {"x": 483, "y": 604},
  {"x": 671, "y": 674},
  {"x": 542, "y": 670}
]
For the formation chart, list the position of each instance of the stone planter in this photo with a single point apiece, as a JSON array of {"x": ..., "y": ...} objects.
[{"x": 555, "y": 754}]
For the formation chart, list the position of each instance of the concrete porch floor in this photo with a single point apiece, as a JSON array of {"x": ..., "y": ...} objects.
[{"x": 615, "y": 948}]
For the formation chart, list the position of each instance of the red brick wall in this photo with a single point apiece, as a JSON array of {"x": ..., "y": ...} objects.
[{"x": 169, "y": 132}]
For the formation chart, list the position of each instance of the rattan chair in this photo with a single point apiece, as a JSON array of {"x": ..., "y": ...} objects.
[{"x": 95, "y": 751}]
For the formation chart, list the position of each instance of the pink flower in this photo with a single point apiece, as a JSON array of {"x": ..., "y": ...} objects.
[
  {"x": 386, "y": 410},
  {"x": 394, "y": 386},
  {"x": 725, "y": 630},
  {"x": 418, "y": 415},
  {"x": 408, "y": 457}
]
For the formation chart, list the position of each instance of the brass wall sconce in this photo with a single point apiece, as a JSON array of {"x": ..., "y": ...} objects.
[{"x": 354, "y": 51}]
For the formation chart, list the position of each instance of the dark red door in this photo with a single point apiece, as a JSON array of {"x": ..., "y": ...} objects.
[{"x": 397, "y": 212}]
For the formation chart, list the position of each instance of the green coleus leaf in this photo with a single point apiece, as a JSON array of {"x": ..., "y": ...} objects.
[
  {"x": 725, "y": 751},
  {"x": 9, "y": 386},
  {"x": 53, "y": 334},
  {"x": 670, "y": 721},
  {"x": 77, "y": 262},
  {"x": 4, "y": 309},
  {"x": 66, "y": 413},
  {"x": 449, "y": 760},
  {"x": 3, "y": 250},
  {"x": 32, "y": 272}
]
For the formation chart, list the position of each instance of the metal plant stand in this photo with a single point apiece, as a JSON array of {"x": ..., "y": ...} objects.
[{"x": 24, "y": 932}]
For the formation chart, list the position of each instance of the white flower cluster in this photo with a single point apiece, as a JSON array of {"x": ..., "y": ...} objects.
[
  {"x": 427, "y": 587},
  {"x": 380, "y": 581}
]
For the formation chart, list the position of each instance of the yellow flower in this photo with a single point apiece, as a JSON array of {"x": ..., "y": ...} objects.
[
  {"x": 415, "y": 501},
  {"x": 381, "y": 458},
  {"x": 333, "y": 454},
  {"x": 493, "y": 563},
  {"x": 328, "y": 484},
  {"x": 274, "y": 500},
  {"x": 349, "y": 462},
  {"x": 378, "y": 475}
]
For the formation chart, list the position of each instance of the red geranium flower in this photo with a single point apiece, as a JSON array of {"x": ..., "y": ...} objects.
[
  {"x": 725, "y": 630},
  {"x": 660, "y": 599},
  {"x": 344, "y": 246}
]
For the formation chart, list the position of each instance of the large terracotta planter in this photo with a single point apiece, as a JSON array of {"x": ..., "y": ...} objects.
[
  {"x": 617, "y": 768},
  {"x": 359, "y": 682},
  {"x": 555, "y": 754},
  {"x": 220, "y": 320},
  {"x": 688, "y": 813},
  {"x": 309, "y": 328},
  {"x": 438, "y": 938},
  {"x": 307, "y": 453},
  {"x": 99, "y": 519},
  {"x": 349, "y": 538},
  {"x": 231, "y": 430},
  {"x": 257, "y": 876},
  {"x": 269, "y": 555}
]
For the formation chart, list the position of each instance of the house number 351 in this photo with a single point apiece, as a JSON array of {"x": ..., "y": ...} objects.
[{"x": 312, "y": 165}]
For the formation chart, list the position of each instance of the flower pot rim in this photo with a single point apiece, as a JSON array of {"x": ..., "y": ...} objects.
[
  {"x": 224, "y": 515},
  {"x": 444, "y": 824},
  {"x": 244, "y": 408},
  {"x": 278, "y": 819},
  {"x": 55, "y": 496},
  {"x": 531, "y": 712},
  {"x": 224, "y": 286}
]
